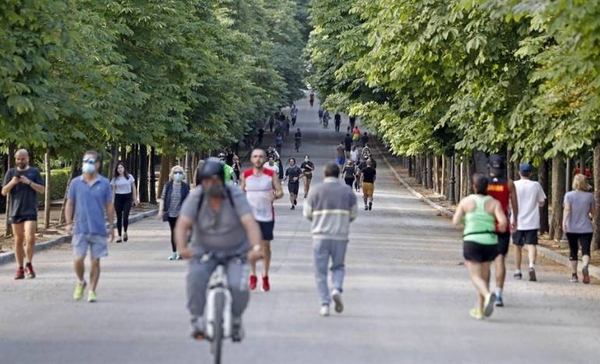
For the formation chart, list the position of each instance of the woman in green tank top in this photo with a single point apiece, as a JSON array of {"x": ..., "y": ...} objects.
[{"x": 477, "y": 214}]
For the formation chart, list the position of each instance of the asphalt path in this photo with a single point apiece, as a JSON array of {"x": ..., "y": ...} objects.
[{"x": 406, "y": 295}]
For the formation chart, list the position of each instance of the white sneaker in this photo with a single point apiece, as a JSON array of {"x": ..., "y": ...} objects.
[
  {"x": 337, "y": 299},
  {"x": 324, "y": 311},
  {"x": 173, "y": 256}
]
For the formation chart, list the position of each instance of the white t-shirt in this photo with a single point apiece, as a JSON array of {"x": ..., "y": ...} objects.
[
  {"x": 529, "y": 195},
  {"x": 122, "y": 185},
  {"x": 274, "y": 167}
]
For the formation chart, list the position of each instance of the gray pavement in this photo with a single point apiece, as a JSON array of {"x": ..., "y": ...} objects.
[{"x": 407, "y": 298}]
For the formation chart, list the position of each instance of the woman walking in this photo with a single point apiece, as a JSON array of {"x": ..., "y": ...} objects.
[
  {"x": 478, "y": 214},
  {"x": 173, "y": 194},
  {"x": 577, "y": 223},
  {"x": 349, "y": 173},
  {"x": 125, "y": 195}
]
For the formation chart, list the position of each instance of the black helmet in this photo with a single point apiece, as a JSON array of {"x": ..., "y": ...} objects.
[{"x": 212, "y": 167}]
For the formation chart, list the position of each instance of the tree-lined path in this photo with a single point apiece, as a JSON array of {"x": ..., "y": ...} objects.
[{"x": 407, "y": 299}]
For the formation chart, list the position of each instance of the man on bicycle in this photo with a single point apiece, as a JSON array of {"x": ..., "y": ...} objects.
[
  {"x": 297, "y": 139},
  {"x": 223, "y": 229}
]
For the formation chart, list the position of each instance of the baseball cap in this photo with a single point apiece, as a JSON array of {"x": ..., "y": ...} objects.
[
  {"x": 496, "y": 164},
  {"x": 525, "y": 168}
]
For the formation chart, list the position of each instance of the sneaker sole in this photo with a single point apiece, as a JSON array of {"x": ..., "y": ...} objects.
[
  {"x": 532, "y": 277},
  {"x": 488, "y": 308},
  {"x": 499, "y": 304},
  {"x": 339, "y": 305}
]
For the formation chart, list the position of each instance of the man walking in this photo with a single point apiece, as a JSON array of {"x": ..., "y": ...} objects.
[
  {"x": 89, "y": 197},
  {"x": 503, "y": 190},
  {"x": 367, "y": 181},
  {"x": 22, "y": 184},
  {"x": 330, "y": 206},
  {"x": 262, "y": 187},
  {"x": 341, "y": 154},
  {"x": 307, "y": 167},
  {"x": 530, "y": 197},
  {"x": 292, "y": 174}
]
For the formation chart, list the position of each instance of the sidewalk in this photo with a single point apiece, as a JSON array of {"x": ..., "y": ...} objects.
[
  {"x": 543, "y": 251},
  {"x": 10, "y": 256}
]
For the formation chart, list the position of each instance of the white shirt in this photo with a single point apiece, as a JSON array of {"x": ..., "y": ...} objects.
[
  {"x": 122, "y": 185},
  {"x": 273, "y": 167},
  {"x": 258, "y": 191},
  {"x": 529, "y": 195}
]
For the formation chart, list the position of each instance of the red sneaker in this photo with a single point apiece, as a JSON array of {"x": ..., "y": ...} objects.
[
  {"x": 265, "y": 284},
  {"x": 253, "y": 281},
  {"x": 29, "y": 271},
  {"x": 20, "y": 274}
]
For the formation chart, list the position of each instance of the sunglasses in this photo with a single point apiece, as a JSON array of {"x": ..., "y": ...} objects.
[{"x": 90, "y": 161}]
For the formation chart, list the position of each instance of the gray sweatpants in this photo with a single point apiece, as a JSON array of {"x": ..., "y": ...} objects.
[
  {"x": 323, "y": 250},
  {"x": 199, "y": 275}
]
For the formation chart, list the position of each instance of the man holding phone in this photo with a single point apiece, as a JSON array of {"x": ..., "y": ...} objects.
[{"x": 22, "y": 184}]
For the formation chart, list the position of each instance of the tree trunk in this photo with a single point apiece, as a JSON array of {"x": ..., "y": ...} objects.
[
  {"x": 72, "y": 174},
  {"x": 436, "y": 174},
  {"x": 410, "y": 166},
  {"x": 418, "y": 169},
  {"x": 429, "y": 169},
  {"x": 165, "y": 169},
  {"x": 114, "y": 159},
  {"x": 596, "y": 169},
  {"x": 143, "y": 177},
  {"x": 558, "y": 195},
  {"x": 47, "y": 201},
  {"x": 480, "y": 162},
  {"x": 510, "y": 167},
  {"x": 442, "y": 182},
  {"x": 543, "y": 179},
  {"x": 152, "y": 170},
  {"x": 188, "y": 167}
]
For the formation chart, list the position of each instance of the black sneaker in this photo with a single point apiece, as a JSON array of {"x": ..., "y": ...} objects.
[
  {"x": 293, "y": 207},
  {"x": 237, "y": 330},
  {"x": 532, "y": 277},
  {"x": 370, "y": 205},
  {"x": 518, "y": 275}
]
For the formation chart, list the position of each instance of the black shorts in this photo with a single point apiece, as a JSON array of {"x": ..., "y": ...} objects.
[
  {"x": 21, "y": 219},
  {"x": 479, "y": 253},
  {"x": 266, "y": 228},
  {"x": 525, "y": 237},
  {"x": 293, "y": 188},
  {"x": 308, "y": 175},
  {"x": 503, "y": 243}
]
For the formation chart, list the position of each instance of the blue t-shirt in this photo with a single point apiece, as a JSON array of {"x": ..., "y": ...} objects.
[{"x": 90, "y": 203}]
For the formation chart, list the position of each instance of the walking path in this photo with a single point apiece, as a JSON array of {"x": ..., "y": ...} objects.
[{"x": 407, "y": 297}]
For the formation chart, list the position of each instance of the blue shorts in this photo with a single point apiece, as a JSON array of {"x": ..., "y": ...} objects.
[
  {"x": 341, "y": 161},
  {"x": 97, "y": 244}
]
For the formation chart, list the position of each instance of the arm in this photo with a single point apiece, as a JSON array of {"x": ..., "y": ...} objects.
[
  {"x": 278, "y": 191},
  {"x": 242, "y": 182},
  {"x": 252, "y": 229},
  {"x": 69, "y": 210},
  {"x": 307, "y": 210},
  {"x": 566, "y": 215},
  {"x": 541, "y": 196},
  {"x": 134, "y": 192},
  {"x": 514, "y": 204},
  {"x": 110, "y": 215},
  {"x": 182, "y": 229},
  {"x": 457, "y": 219},
  {"x": 499, "y": 214},
  {"x": 9, "y": 186}
]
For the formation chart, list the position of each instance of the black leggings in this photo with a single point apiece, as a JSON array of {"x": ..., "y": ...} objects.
[
  {"x": 574, "y": 239},
  {"x": 122, "y": 208},
  {"x": 349, "y": 181},
  {"x": 172, "y": 222}
]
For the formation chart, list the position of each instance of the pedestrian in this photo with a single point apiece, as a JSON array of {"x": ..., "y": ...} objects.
[
  {"x": 355, "y": 135},
  {"x": 292, "y": 174},
  {"x": 22, "y": 183},
  {"x": 353, "y": 153},
  {"x": 530, "y": 197},
  {"x": 477, "y": 214},
  {"x": 331, "y": 207},
  {"x": 262, "y": 187},
  {"x": 216, "y": 220},
  {"x": 349, "y": 173},
  {"x": 261, "y": 134},
  {"x": 173, "y": 194},
  {"x": 307, "y": 168},
  {"x": 88, "y": 199},
  {"x": 579, "y": 209},
  {"x": 352, "y": 120},
  {"x": 125, "y": 195},
  {"x": 271, "y": 123},
  {"x": 367, "y": 181},
  {"x": 503, "y": 190},
  {"x": 348, "y": 144},
  {"x": 272, "y": 165},
  {"x": 230, "y": 176},
  {"x": 364, "y": 139},
  {"x": 337, "y": 120},
  {"x": 341, "y": 154},
  {"x": 237, "y": 168},
  {"x": 294, "y": 114},
  {"x": 321, "y": 112}
]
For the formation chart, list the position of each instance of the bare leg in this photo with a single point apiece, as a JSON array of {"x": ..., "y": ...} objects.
[
  {"x": 30, "y": 229},
  {"x": 19, "y": 236},
  {"x": 79, "y": 267},
  {"x": 532, "y": 253},
  {"x": 476, "y": 271},
  {"x": 500, "y": 271},
  {"x": 94, "y": 273},
  {"x": 518, "y": 257},
  {"x": 266, "y": 248}
]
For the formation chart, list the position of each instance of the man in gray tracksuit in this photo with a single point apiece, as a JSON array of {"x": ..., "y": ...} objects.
[{"x": 330, "y": 206}]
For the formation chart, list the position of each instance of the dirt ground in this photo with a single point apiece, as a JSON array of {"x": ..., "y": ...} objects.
[
  {"x": 545, "y": 241},
  {"x": 44, "y": 234}
]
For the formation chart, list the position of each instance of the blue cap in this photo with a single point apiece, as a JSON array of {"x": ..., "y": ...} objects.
[{"x": 525, "y": 168}]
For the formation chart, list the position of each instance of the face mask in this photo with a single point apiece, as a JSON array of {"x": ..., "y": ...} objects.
[
  {"x": 214, "y": 190},
  {"x": 88, "y": 168},
  {"x": 306, "y": 159},
  {"x": 178, "y": 176}
]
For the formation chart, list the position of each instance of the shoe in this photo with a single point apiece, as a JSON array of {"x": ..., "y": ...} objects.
[
  {"x": 20, "y": 273},
  {"x": 532, "y": 277},
  {"x": 293, "y": 207},
  {"x": 306, "y": 194},
  {"x": 79, "y": 290},
  {"x": 295, "y": 202},
  {"x": 253, "y": 281},
  {"x": 125, "y": 237},
  {"x": 198, "y": 329},
  {"x": 370, "y": 206},
  {"x": 337, "y": 300},
  {"x": 476, "y": 314},
  {"x": 119, "y": 240},
  {"x": 586, "y": 275},
  {"x": 266, "y": 287},
  {"x": 29, "y": 271},
  {"x": 92, "y": 296},
  {"x": 178, "y": 257},
  {"x": 173, "y": 256},
  {"x": 499, "y": 302},
  {"x": 518, "y": 275},
  {"x": 237, "y": 329},
  {"x": 366, "y": 207},
  {"x": 574, "y": 278},
  {"x": 488, "y": 304},
  {"x": 324, "y": 311}
]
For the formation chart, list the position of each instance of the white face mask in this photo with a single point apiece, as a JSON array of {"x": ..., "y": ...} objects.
[
  {"x": 178, "y": 176},
  {"x": 88, "y": 168}
]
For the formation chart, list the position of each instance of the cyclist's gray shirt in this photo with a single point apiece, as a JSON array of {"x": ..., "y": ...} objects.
[{"x": 219, "y": 231}]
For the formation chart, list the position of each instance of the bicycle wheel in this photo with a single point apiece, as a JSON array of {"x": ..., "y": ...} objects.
[{"x": 217, "y": 343}]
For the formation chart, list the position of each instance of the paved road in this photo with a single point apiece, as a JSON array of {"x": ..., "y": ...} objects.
[{"x": 407, "y": 299}]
